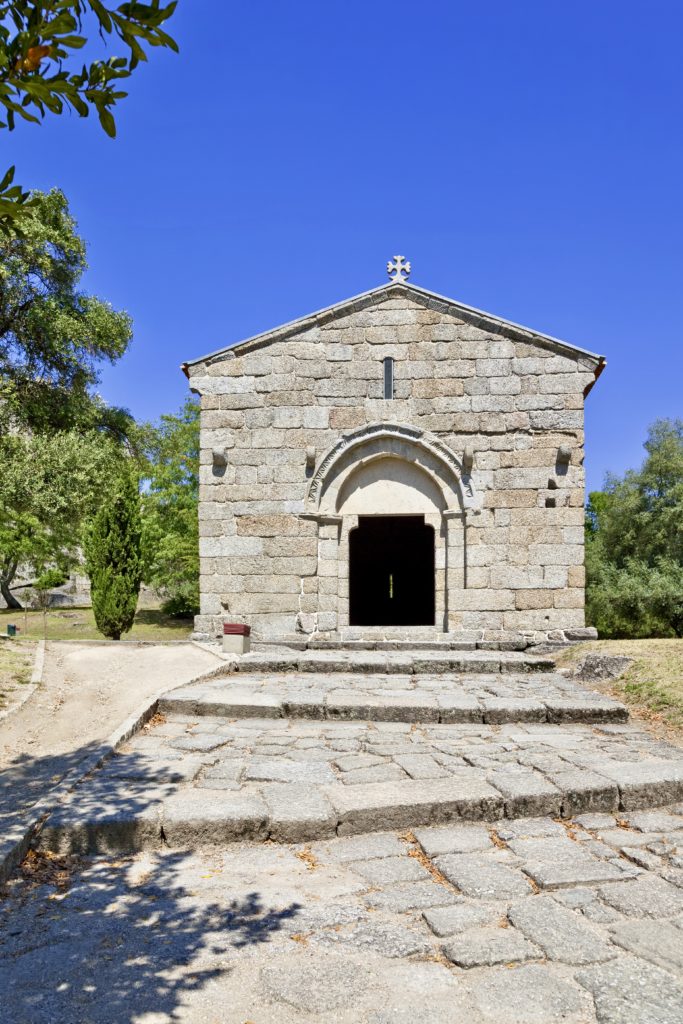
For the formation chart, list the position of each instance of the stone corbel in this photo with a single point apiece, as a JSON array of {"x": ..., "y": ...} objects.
[{"x": 318, "y": 517}]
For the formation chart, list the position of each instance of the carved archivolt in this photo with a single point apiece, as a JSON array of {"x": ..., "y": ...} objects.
[{"x": 382, "y": 440}]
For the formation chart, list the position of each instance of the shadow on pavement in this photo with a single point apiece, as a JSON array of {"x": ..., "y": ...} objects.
[
  {"x": 123, "y": 939},
  {"x": 26, "y": 779}
]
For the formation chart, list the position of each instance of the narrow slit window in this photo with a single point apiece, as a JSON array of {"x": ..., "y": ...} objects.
[{"x": 388, "y": 377}]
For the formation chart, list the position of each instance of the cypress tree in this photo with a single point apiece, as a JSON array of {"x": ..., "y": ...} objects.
[{"x": 113, "y": 559}]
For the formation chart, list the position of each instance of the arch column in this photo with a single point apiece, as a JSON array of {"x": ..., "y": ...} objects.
[
  {"x": 329, "y": 576},
  {"x": 455, "y": 527},
  {"x": 441, "y": 581},
  {"x": 348, "y": 523}
]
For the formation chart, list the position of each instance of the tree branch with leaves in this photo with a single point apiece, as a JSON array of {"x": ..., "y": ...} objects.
[
  {"x": 39, "y": 75},
  {"x": 53, "y": 336}
]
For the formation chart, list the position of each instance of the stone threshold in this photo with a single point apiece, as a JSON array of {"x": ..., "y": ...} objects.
[{"x": 424, "y": 638}]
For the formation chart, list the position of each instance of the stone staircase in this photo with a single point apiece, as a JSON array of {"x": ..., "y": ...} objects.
[
  {"x": 446, "y": 698},
  {"x": 296, "y": 746}
]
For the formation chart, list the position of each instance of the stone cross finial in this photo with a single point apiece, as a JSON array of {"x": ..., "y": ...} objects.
[{"x": 398, "y": 269}]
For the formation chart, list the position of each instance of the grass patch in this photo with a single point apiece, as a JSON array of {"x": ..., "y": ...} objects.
[
  {"x": 79, "y": 624},
  {"x": 16, "y": 665},
  {"x": 654, "y": 682},
  {"x": 648, "y": 693}
]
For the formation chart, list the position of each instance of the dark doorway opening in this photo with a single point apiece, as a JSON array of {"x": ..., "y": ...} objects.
[{"x": 391, "y": 572}]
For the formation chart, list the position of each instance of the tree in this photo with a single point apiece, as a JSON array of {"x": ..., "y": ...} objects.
[
  {"x": 42, "y": 586},
  {"x": 170, "y": 500},
  {"x": 52, "y": 335},
  {"x": 634, "y": 543},
  {"x": 39, "y": 73},
  {"x": 113, "y": 559},
  {"x": 49, "y": 485}
]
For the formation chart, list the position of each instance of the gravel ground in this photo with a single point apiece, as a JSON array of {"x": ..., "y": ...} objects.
[{"x": 87, "y": 691}]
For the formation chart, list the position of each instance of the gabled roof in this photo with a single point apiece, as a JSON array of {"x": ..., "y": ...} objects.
[{"x": 404, "y": 289}]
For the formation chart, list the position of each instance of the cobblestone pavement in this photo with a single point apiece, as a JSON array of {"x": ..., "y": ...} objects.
[
  {"x": 525, "y": 922},
  {"x": 190, "y": 780},
  {"x": 467, "y": 697}
]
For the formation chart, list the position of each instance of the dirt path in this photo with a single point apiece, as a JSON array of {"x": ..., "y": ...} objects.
[{"x": 87, "y": 691}]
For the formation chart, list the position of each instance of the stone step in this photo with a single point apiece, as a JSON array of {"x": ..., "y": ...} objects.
[
  {"x": 387, "y": 644},
  {"x": 408, "y": 661},
  {"x": 105, "y": 820},
  {"x": 468, "y": 697},
  {"x": 191, "y": 781},
  {"x": 482, "y": 699}
]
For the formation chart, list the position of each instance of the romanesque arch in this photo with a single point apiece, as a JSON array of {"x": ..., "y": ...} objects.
[{"x": 395, "y": 443}]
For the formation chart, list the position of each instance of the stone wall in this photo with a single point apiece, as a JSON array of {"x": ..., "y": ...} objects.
[{"x": 514, "y": 400}]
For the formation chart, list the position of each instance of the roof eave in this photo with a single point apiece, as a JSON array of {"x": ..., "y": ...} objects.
[{"x": 598, "y": 370}]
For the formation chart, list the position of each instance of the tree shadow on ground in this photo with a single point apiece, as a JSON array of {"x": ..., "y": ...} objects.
[
  {"x": 26, "y": 779},
  {"x": 158, "y": 617},
  {"x": 98, "y": 936}
]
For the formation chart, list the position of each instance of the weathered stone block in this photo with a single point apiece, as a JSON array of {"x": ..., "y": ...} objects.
[
  {"x": 560, "y": 933},
  {"x": 483, "y": 878},
  {"x": 525, "y": 599},
  {"x": 399, "y": 805},
  {"x": 484, "y": 947},
  {"x": 571, "y": 598},
  {"x": 193, "y": 817}
]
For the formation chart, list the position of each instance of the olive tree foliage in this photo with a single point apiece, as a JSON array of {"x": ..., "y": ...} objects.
[
  {"x": 50, "y": 485},
  {"x": 53, "y": 335},
  {"x": 169, "y": 503},
  {"x": 634, "y": 543},
  {"x": 41, "y": 73},
  {"x": 59, "y": 442}
]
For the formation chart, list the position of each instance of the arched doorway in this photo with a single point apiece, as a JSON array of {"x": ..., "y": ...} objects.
[
  {"x": 391, "y": 550},
  {"x": 415, "y": 487},
  {"x": 391, "y": 572}
]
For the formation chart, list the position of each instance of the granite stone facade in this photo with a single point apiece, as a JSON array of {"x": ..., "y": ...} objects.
[{"x": 482, "y": 441}]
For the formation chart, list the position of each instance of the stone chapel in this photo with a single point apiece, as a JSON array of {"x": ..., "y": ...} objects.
[{"x": 396, "y": 466}]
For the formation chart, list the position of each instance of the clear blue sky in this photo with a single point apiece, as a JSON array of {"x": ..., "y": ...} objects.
[{"x": 527, "y": 158}]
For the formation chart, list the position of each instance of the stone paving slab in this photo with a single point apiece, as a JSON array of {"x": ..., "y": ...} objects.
[
  {"x": 358, "y": 930},
  {"x": 559, "y": 932},
  {"x": 451, "y": 920},
  {"x": 486, "y": 947},
  {"x": 397, "y": 697},
  {"x": 530, "y": 994},
  {"x": 631, "y": 990},
  {"x": 298, "y": 780}
]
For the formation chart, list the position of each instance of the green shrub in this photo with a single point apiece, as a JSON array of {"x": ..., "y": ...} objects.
[{"x": 634, "y": 544}]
